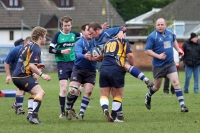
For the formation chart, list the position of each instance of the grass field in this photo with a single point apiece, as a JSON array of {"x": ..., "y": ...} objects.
[{"x": 164, "y": 116}]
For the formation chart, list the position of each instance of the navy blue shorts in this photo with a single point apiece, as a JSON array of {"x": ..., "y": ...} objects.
[
  {"x": 25, "y": 84},
  {"x": 111, "y": 76},
  {"x": 82, "y": 75},
  {"x": 64, "y": 70}
]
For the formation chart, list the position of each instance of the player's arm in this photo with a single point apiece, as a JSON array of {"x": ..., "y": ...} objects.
[
  {"x": 180, "y": 52},
  {"x": 52, "y": 50},
  {"x": 53, "y": 44},
  {"x": 129, "y": 53},
  {"x": 10, "y": 58},
  {"x": 130, "y": 58},
  {"x": 117, "y": 31},
  {"x": 79, "y": 51},
  {"x": 7, "y": 69},
  {"x": 148, "y": 49}
]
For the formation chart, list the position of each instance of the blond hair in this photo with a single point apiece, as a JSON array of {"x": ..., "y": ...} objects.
[{"x": 37, "y": 32}]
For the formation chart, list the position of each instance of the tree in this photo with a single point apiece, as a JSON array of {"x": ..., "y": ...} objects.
[{"x": 129, "y": 9}]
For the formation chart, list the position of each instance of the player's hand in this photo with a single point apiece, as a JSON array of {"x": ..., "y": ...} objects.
[
  {"x": 97, "y": 58},
  {"x": 8, "y": 78},
  {"x": 162, "y": 56},
  {"x": 66, "y": 51},
  {"x": 41, "y": 66},
  {"x": 105, "y": 25},
  {"x": 180, "y": 53},
  {"x": 35, "y": 76},
  {"x": 88, "y": 56},
  {"x": 120, "y": 35},
  {"x": 46, "y": 77}
]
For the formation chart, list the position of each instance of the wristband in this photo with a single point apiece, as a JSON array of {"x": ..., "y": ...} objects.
[{"x": 41, "y": 74}]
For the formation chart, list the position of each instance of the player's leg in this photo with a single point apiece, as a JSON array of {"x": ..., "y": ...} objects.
[
  {"x": 19, "y": 102},
  {"x": 157, "y": 84},
  {"x": 134, "y": 71},
  {"x": 117, "y": 114},
  {"x": 158, "y": 73},
  {"x": 30, "y": 106},
  {"x": 104, "y": 102},
  {"x": 71, "y": 97},
  {"x": 88, "y": 79},
  {"x": 64, "y": 73},
  {"x": 175, "y": 82},
  {"x": 39, "y": 94},
  {"x": 88, "y": 87}
]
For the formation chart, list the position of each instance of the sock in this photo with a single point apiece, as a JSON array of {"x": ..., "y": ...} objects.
[
  {"x": 151, "y": 92},
  {"x": 62, "y": 104},
  {"x": 134, "y": 71},
  {"x": 179, "y": 95},
  {"x": 117, "y": 103},
  {"x": 75, "y": 98},
  {"x": 84, "y": 103},
  {"x": 69, "y": 102},
  {"x": 120, "y": 112},
  {"x": 19, "y": 101},
  {"x": 30, "y": 104},
  {"x": 104, "y": 102},
  {"x": 36, "y": 107}
]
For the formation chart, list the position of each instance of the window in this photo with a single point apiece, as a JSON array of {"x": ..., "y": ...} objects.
[
  {"x": 65, "y": 3},
  {"x": 11, "y": 35},
  {"x": 13, "y": 2}
]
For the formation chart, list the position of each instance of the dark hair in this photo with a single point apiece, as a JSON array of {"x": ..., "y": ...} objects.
[{"x": 83, "y": 27}]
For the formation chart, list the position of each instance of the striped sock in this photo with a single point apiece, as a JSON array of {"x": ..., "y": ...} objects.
[
  {"x": 84, "y": 103},
  {"x": 179, "y": 95},
  {"x": 134, "y": 71},
  {"x": 19, "y": 101},
  {"x": 151, "y": 92}
]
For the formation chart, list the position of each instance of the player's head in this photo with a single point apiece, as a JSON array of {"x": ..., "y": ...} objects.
[
  {"x": 95, "y": 29},
  {"x": 39, "y": 35},
  {"x": 66, "y": 24},
  {"x": 85, "y": 31},
  {"x": 161, "y": 25},
  {"x": 27, "y": 40}
]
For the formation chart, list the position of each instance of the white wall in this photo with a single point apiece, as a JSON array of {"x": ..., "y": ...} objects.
[{"x": 4, "y": 35}]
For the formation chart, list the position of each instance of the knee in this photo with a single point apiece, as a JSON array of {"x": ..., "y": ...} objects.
[{"x": 42, "y": 93}]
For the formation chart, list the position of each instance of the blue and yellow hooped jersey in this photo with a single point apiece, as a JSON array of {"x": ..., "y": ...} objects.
[
  {"x": 30, "y": 54},
  {"x": 115, "y": 51}
]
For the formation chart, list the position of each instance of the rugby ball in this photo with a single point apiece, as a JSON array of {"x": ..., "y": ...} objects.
[{"x": 96, "y": 51}]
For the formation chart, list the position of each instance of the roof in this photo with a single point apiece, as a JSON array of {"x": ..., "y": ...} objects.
[
  {"x": 181, "y": 10},
  {"x": 81, "y": 12},
  {"x": 140, "y": 19}
]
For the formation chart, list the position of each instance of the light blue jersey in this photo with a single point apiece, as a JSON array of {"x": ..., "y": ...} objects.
[{"x": 159, "y": 43}]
